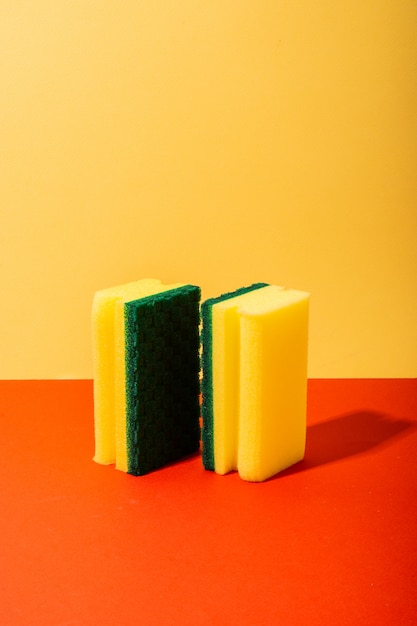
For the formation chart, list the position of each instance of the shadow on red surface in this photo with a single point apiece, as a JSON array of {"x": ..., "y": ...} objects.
[{"x": 347, "y": 435}]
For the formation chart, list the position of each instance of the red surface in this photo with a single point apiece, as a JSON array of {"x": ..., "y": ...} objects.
[{"x": 331, "y": 541}]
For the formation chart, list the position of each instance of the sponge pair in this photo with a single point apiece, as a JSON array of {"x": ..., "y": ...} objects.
[{"x": 147, "y": 377}]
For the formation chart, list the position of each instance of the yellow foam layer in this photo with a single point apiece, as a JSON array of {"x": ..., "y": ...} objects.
[
  {"x": 259, "y": 381},
  {"x": 225, "y": 367},
  {"x": 109, "y": 367}
]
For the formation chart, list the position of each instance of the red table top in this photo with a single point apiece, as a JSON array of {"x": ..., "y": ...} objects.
[{"x": 330, "y": 541}]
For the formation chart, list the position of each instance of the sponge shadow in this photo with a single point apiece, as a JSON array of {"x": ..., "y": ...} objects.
[{"x": 348, "y": 435}]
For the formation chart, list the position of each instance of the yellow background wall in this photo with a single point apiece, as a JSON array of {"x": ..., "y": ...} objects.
[{"x": 216, "y": 142}]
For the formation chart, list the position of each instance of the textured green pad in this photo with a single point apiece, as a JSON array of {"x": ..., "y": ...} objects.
[
  {"x": 162, "y": 378},
  {"x": 207, "y": 368}
]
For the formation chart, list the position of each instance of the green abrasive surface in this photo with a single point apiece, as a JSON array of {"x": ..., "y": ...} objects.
[{"x": 162, "y": 378}]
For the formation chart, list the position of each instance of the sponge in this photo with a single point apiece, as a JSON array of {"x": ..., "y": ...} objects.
[
  {"x": 254, "y": 380},
  {"x": 146, "y": 378}
]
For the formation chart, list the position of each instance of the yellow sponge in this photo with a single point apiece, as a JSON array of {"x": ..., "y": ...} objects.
[
  {"x": 258, "y": 372},
  {"x": 146, "y": 374}
]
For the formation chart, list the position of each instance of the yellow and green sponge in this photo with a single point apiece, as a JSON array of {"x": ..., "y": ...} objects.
[
  {"x": 146, "y": 374},
  {"x": 254, "y": 380}
]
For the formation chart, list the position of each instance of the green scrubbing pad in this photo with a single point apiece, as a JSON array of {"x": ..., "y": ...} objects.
[
  {"x": 162, "y": 378},
  {"x": 207, "y": 380}
]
